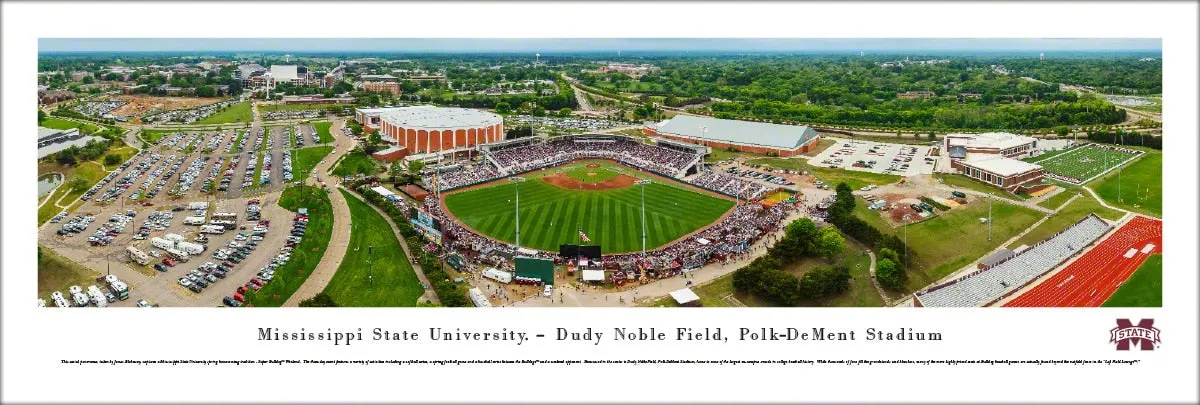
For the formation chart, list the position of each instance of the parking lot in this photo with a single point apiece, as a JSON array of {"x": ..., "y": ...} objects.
[
  {"x": 877, "y": 157},
  {"x": 146, "y": 199}
]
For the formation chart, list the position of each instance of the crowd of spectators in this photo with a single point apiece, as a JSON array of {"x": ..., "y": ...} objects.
[
  {"x": 729, "y": 185},
  {"x": 463, "y": 176},
  {"x": 666, "y": 161}
]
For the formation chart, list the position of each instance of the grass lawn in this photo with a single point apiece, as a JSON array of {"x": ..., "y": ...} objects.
[
  {"x": 307, "y": 254},
  {"x": 90, "y": 171},
  {"x": 956, "y": 238},
  {"x": 821, "y": 146},
  {"x": 780, "y": 163},
  {"x": 303, "y": 160},
  {"x": 855, "y": 179},
  {"x": 873, "y": 217},
  {"x": 323, "y": 131},
  {"x": 239, "y": 112},
  {"x": 357, "y": 162},
  {"x": 58, "y": 123},
  {"x": 393, "y": 282},
  {"x": 1069, "y": 214},
  {"x": 960, "y": 181},
  {"x": 1058, "y": 199},
  {"x": 57, "y": 273},
  {"x": 1140, "y": 184},
  {"x": 263, "y": 109},
  {"x": 1142, "y": 289},
  {"x": 611, "y": 218},
  {"x": 153, "y": 135},
  {"x": 719, "y": 154}
]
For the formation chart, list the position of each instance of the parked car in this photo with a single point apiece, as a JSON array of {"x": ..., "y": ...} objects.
[
  {"x": 915, "y": 207},
  {"x": 548, "y": 291},
  {"x": 143, "y": 304},
  {"x": 230, "y": 302},
  {"x": 160, "y": 267}
]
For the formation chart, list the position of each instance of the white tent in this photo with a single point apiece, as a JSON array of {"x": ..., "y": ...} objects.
[
  {"x": 527, "y": 251},
  {"x": 382, "y": 191},
  {"x": 498, "y": 275},
  {"x": 593, "y": 275},
  {"x": 703, "y": 241},
  {"x": 478, "y": 298},
  {"x": 684, "y": 296}
]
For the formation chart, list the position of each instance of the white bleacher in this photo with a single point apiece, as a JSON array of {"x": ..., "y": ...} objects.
[{"x": 983, "y": 287}]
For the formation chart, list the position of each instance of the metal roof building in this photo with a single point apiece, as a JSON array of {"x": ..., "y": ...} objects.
[
  {"x": 748, "y": 136},
  {"x": 426, "y": 128}
]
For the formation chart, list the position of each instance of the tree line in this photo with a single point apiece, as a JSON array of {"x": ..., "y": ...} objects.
[
  {"x": 890, "y": 270},
  {"x": 766, "y": 278}
]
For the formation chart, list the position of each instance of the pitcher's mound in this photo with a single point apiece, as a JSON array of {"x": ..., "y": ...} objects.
[{"x": 563, "y": 181}]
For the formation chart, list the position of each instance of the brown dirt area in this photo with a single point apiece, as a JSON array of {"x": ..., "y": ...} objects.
[
  {"x": 138, "y": 105},
  {"x": 415, "y": 192},
  {"x": 563, "y": 181},
  {"x": 592, "y": 165}
]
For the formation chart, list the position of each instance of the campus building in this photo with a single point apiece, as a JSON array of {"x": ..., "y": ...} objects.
[
  {"x": 1008, "y": 174},
  {"x": 745, "y": 136},
  {"x": 53, "y": 140},
  {"x": 426, "y": 128},
  {"x": 996, "y": 143}
]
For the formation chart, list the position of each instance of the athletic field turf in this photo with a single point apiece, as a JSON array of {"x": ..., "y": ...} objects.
[
  {"x": 1084, "y": 162},
  {"x": 1142, "y": 289},
  {"x": 551, "y": 215}
]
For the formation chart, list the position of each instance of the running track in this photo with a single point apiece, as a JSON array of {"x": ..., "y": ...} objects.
[{"x": 1095, "y": 276}]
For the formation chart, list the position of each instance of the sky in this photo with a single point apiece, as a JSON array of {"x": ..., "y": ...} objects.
[{"x": 548, "y": 45}]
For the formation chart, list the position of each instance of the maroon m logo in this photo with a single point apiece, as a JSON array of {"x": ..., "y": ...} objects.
[{"x": 1144, "y": 334}]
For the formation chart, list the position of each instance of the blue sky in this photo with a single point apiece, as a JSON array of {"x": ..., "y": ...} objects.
[{"x": 595, "y": 44}]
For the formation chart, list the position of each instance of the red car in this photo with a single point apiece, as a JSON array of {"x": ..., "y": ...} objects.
[
  {"x": 257, "y": 281},
  {"x": 254, "y": 201},
  {"x": 256, "y": 287},
  {"x": 170, "y": 262},
  {"x": 241, "y": 290},
  {"x": 147, "y": 204},
  {"x": 239, "y": 298}
]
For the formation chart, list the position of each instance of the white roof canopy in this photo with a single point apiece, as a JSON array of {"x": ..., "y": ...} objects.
[
  {"x": 593, "y": 275},
  {"x": 684, "y": 296}
]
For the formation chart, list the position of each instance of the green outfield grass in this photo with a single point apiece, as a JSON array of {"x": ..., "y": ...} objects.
[
  {"x": 392, "y": 283},
  {"x": 303, "y": 160},
  {"x": 1141, "y": 184},
  {"x": 1142, "y": 289},
  {"x": 323, "y": 131},
  {"x": 307, "y": 254},
  {"x": 612, "y": 218},
  {"x": 1084, "y": 162}
]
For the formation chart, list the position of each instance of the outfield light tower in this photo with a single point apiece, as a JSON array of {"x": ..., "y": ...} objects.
[
  {"x": 517, "y": 186},
  {"x": 643, "y": 183}
]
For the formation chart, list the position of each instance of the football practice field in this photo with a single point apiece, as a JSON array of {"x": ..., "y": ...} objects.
[
  {"x": 1085, "y": 162},
  {"x": 552, "y": 215}
]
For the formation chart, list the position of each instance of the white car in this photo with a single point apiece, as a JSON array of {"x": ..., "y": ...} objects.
[
  {"x": 143, "y": 304},
  {"x": 183, "y": 281},
  {"x": 154, "y": 253},
  {"x": 234, "y": 244},
  {"x": 548, "y": 291}
]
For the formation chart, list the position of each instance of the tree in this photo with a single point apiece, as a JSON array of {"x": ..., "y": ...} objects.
[
  {"x": 110, "y": 160},
  {"x": 1061, "y": 130},
  {"x": 415, "y": 166},
  {"x": 830, "y": 243},
  {"x": 932, "y": 136},
  {"x": 395, "y": 168},
  {"x": 319, "y": 300},
  {"x": 66, "y": 156},
  {"x": 889, "y": 275},
  {"x": 41, "y": 116},
  {"x": 889, "y": 254},
  {"x": 538, "y": 111},
  {"x": 564, "y": 112},
  {"x": 374, "y": 138},
  {"x": 503, "y": 107}
]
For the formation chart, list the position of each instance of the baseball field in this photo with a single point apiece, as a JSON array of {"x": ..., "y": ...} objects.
[{"x": 597, "y": 197}]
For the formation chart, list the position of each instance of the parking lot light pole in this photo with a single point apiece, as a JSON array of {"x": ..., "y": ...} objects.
[
  {"x": 517, "y": 186},
  {"x": 906, "y": 217},
  {"x": 370, "y": 269},
  {"x": 643, "y": 183}
]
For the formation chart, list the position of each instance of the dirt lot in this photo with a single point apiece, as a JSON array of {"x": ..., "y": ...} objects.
[{"x": 140, "y": 105}]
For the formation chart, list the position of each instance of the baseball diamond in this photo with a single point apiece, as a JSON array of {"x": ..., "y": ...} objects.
[{"x": 552, "y": 215}]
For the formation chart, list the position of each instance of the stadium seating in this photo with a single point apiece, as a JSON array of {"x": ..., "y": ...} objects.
[{"x": 985, "y": 286}]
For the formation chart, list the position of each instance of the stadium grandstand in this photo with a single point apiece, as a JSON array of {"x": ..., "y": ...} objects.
[{"x": 986, "y": 286}]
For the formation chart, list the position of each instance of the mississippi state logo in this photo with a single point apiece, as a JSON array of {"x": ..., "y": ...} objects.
[{"x": 1144, "y": 334}]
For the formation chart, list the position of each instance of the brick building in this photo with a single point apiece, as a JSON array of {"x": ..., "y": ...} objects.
[
  {"x": 1008, "y": 174},
  {"x": 425, "y": 128},
  {"x": 745, "y": 136}
]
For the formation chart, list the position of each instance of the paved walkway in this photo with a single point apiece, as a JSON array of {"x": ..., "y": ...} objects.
[{"x": 339, "y": 239}]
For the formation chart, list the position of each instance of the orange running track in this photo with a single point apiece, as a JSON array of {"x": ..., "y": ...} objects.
[{"x": 1095, "y": 276}]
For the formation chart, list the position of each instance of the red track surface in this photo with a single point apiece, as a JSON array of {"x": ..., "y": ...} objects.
[{"x": 1095, "y": 276}]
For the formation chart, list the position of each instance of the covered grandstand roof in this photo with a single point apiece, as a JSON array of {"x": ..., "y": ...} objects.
[
  {"x": 997, "y": 140},
  {"x": 738, "y": 132},
  {"x": 428, "y": 116}
]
